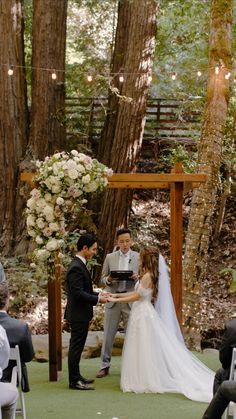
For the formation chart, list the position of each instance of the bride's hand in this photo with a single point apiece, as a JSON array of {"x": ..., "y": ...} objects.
[{"x": 112, "y": 299}]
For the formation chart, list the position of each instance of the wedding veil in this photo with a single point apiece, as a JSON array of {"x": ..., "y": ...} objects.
[{"x": 164, "y": 304}]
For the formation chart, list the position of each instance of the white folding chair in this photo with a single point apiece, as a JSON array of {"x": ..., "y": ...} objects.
[
  {"x": 232, "y": 376},
  {"x": 16, "y": 380}
]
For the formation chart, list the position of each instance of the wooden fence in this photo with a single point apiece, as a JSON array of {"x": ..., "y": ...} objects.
[{"x": 167, "y": 122}]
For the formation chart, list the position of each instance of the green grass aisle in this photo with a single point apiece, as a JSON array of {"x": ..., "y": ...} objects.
[{"x": 55, "y": 401}]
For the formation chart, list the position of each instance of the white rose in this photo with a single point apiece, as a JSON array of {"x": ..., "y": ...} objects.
[
  {"x": 91, "y": 187},
  {"x": 48, "y": 197},
  {"x": 71, "y": 164},
  {"x": 31, "y": 233},
  {"x": 60, "y": 201},
  {"x": 40, "y": 223},
  {"x": 56, "y": 188},
  {"x": 41, "y": 203},
  {"x": 48, "y": 212},
  {"x": 42, "y": 254},
  {"x": 80, "y": 168},
  {"x": 35, "y": 193},
  {"x": 74, "y": 152},
  {"x": 85, "y": 179},
  {"x": 73, "y": 174},
  {"x": 47, "y": 232},
  {"x": 39, "y": 240},
  {"x": 109, "y": 172},
  {"x": 31, "y": 203},
  {"x": 54, "y": 226},
  {"x": 52, "y": 245},
  {"x": 57, "y": 155},
  {"x": 30, "y": 221}
]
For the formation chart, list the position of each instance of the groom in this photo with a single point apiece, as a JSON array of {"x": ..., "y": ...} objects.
[{"x": 79, "y": 309}]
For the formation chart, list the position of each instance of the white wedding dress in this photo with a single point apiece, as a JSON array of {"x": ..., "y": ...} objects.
[{"x": 155, "y": 358}]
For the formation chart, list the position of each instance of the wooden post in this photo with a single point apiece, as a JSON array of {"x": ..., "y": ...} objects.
[
  {"x": 59, "y": 312},
  {"x": 54, "y": 323},
  {"x": 176, "y": 240}
]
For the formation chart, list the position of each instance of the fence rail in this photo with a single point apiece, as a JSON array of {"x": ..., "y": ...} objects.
[{"x": 167, "y": 121}]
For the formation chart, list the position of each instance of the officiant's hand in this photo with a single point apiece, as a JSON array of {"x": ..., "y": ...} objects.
[
  {"x": 111, "y": 278},
  {"x": 134, "y": 277}
]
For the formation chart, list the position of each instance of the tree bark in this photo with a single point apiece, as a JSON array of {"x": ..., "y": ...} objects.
[
  {"x": 47, "y": 132},
  {"x": 123, "y": 130},
  {"x": 209, "y": 159},
  {"x": 13, "y": 119}
]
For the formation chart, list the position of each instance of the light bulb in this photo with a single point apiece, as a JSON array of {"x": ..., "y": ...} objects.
[
  {"x": 89, "y": 77},
  {"x": 227, "y": 76},
  {"x": 121, "y": 78},
  {"x": 217, "y": 69},
  {"x": 54, "y": 76},
  {"x": 199, "y": 73},
  {"x": 150, "y": 78},
  {"x": 10, "y": 71},
  {"x": 173, "y": 76}
]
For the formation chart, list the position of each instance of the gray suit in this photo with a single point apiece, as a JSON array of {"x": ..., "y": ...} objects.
[{"x": 115, "y": 311}]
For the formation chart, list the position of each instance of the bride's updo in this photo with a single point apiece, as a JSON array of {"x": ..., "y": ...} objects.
[{"x": 149, "y": 263}]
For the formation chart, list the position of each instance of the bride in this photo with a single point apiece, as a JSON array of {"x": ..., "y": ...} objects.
[{"x": 155, "y": 358}]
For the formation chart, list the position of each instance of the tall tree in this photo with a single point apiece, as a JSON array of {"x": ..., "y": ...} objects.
[
  {"x": 209, "y": 159},
  {"x": 13, "y": 119},
  {"x": 122, "y": 135},
  {"x": 47, "y": 132}
]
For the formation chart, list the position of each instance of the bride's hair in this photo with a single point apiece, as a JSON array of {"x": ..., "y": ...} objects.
[{"x": 149, "y": 263}]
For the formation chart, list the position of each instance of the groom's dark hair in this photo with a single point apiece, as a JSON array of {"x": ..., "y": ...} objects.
[
  {"x": 86, "y": 240},
  {"x": 123, "y": 231}
]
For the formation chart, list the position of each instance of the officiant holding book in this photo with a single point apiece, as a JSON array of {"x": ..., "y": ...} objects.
[{"x": 119, "y": 274}]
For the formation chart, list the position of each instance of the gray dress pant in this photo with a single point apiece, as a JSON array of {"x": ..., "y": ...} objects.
[
  {"x": 225, "y": 394},
  {"x": 8, "y": 400},
  {"x": 112, "y": 318}
]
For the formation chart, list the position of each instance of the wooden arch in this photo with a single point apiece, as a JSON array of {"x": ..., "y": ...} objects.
[{"x": 177, "y": 182}]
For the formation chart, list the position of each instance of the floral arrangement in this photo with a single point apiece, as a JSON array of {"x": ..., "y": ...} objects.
[{"x": 63, "y": 182}]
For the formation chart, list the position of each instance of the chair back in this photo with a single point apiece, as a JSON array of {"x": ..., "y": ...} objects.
[{"x": 16, "y": 379}]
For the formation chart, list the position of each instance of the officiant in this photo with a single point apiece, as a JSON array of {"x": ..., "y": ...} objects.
[{"x": 119, "y": 274}]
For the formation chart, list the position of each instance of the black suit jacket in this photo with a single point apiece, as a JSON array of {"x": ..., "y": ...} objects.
[
  {"x": 80, "y": 295},
  {"x": 228, "y": 343},
  {"x": 18, "y": 334}
]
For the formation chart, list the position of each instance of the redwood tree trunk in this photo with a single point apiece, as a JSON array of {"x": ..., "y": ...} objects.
[
  {"x": 210, "y": 149},
  {"x": 13, "y": 119},
  {"x": 122, "y": 137},
  {"x": 47, "y": 133}
]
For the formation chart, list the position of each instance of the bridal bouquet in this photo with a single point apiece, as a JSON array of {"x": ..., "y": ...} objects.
[{"x": 63, "y": 182}]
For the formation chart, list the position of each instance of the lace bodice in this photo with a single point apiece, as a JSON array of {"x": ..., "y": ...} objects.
[{"x": 145, "y": 293}]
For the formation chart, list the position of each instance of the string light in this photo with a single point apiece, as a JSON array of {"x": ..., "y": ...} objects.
[
  {"x": 89, "y": 77},
  {"x": 10, "y": 71}
]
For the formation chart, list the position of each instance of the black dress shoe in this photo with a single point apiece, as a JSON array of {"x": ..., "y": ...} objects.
[
  {"x": 80, "y": 386},
  {"x": 86, "y": 381}
]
